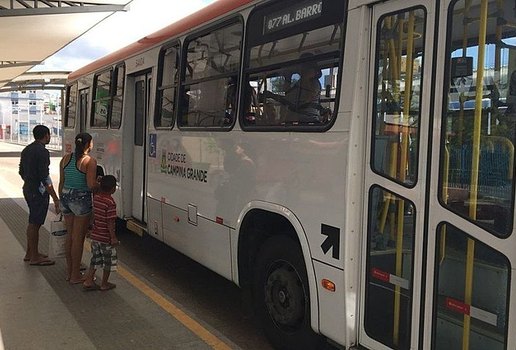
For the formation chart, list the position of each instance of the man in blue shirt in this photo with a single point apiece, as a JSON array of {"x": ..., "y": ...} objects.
[{"x": 37, "y": 186}]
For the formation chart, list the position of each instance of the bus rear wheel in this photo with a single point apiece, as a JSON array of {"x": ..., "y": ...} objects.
[{"x": 281, "y": 294}]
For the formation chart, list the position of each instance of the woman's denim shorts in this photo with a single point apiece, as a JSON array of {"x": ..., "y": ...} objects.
[{"x": 76, "y": 202}]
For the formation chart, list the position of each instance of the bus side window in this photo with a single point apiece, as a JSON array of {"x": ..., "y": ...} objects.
[
  {"x": 294, "y": 74},
  {"x": 210, "y": 82},
  {"x": 71, "y": 106},
  {"x": 102, "y": 99}
]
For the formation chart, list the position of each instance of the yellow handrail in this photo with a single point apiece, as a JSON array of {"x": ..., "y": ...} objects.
[
  {"x": 393, "y": 77},
  {"x": 475, "y": 162},
  {"x": 395, "y": 73},
  {"x": 392, "y": 173},
  {"x": 403, "y": 169}
]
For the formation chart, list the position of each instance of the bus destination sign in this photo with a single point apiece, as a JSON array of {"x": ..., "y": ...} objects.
[{"x": 292, "y": 15}]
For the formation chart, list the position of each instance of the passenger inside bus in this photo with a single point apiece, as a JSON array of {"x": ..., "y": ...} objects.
[
  {"x": 302, "y": 99},
  {"x": 250, "y": 104},
  {"x": 231, "y": 88},
  {"x": 205, "y": 102}
]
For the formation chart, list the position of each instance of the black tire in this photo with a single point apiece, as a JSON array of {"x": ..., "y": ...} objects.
[{"x": 281, "y": 295}]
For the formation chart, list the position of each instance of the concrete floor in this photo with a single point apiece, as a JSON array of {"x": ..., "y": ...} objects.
[{"x": 40, "y": 310}]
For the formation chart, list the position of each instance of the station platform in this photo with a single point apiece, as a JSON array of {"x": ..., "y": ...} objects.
[{"x": 39, "y": 309}]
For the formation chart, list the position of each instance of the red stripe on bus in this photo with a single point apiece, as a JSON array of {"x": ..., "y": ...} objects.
[
  {"x": 457, "y": 306},
  {"x": 208, "y": 13}
]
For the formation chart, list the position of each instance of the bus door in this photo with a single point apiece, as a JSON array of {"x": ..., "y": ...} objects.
[
  {"x": 141, "y": 109},
  {"x": 471, "y": 241},
  {"x": 439, "y": 177},
  {"x": 83, "y": 109},
  {"x": 398, "y": 135}
]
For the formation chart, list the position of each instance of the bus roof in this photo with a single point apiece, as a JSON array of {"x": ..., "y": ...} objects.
[{"x": 210, "y": 12}]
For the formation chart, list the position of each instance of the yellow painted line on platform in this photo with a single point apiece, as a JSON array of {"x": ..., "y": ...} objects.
[{"x": 173, "y": 310}]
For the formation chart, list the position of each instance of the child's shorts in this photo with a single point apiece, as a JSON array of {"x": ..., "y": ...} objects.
[{"x": 103, "y": 256}]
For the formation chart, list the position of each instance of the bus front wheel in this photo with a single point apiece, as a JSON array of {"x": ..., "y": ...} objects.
[{"x": 282, "y": 297}]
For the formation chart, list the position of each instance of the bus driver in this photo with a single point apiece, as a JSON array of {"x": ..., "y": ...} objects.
[{"x": 302, "y": 99}]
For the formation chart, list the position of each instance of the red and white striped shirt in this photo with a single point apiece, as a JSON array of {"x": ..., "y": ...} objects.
[{"x": 104, "y": 210}]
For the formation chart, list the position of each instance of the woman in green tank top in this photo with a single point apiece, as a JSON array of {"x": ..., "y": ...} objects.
[{"x": 76, "y": 184}]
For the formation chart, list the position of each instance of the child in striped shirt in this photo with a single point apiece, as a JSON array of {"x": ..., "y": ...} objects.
[{"x": 103, "y": 236}]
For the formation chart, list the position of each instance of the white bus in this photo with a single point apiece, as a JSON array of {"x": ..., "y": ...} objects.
[{"x": 319, "y": 155}]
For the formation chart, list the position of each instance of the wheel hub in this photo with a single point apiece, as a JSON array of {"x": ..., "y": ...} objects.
[{"x": 284, "y": 296}]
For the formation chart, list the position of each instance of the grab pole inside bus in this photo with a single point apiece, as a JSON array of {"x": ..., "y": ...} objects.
[
  {"x": 470, "y": 255},
  {"x": 405, "y": 130},
  {"x": 462, "y": 99},
  {"x": 385, "y": 76}
]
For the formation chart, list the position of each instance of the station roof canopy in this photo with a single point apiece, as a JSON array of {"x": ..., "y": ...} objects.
[
  {"x": 48, "y": 80},
  {"x": 33, "y": 30}
]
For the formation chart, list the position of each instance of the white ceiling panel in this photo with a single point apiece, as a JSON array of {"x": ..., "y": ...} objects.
[{"x": 31, "y": 31}]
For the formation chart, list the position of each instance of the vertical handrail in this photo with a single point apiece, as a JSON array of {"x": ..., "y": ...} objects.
[
  {"x": 392, "y": 172},
  {"x": 388, "y": 76},
  {"x": 395, "y": 72},
  {"x": 475, "y": 163},
  {"x": 393, "y": 75},
  {"x": 403, "y": 168}
]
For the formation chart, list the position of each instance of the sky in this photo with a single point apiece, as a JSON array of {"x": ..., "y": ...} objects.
[{"x": 120, "y": 29}]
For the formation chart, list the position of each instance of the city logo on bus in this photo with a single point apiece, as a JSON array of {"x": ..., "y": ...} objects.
[{"x": 175, "y": 164}]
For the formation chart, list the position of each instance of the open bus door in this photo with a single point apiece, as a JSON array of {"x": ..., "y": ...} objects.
[
  {"x": 390, "y": 295},
  {"x": 141, "y": 110},
  {"x": 438, "y": 250}
]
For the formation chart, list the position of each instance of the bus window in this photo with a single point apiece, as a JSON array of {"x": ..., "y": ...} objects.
[
  {"x": 479, "y": 303},
  {"x": 399, "y": 68},
  {"x": 211, "y": 72},
  {"x": 479, "y": 117},
  {"x": 118, "y": 89},
  {"x": 71, "y": 106},
  {"x": 101, "y": 99},
  {"x": 390, "y": 260},
  {"x": 292, "y": 70},
  {"x": 167, "y": 85}
]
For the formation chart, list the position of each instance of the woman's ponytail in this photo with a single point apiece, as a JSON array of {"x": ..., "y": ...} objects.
[{"x": 82, "y": 141}]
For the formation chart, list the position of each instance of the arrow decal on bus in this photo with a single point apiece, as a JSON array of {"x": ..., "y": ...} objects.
[{"x": 332, "y": 240}]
